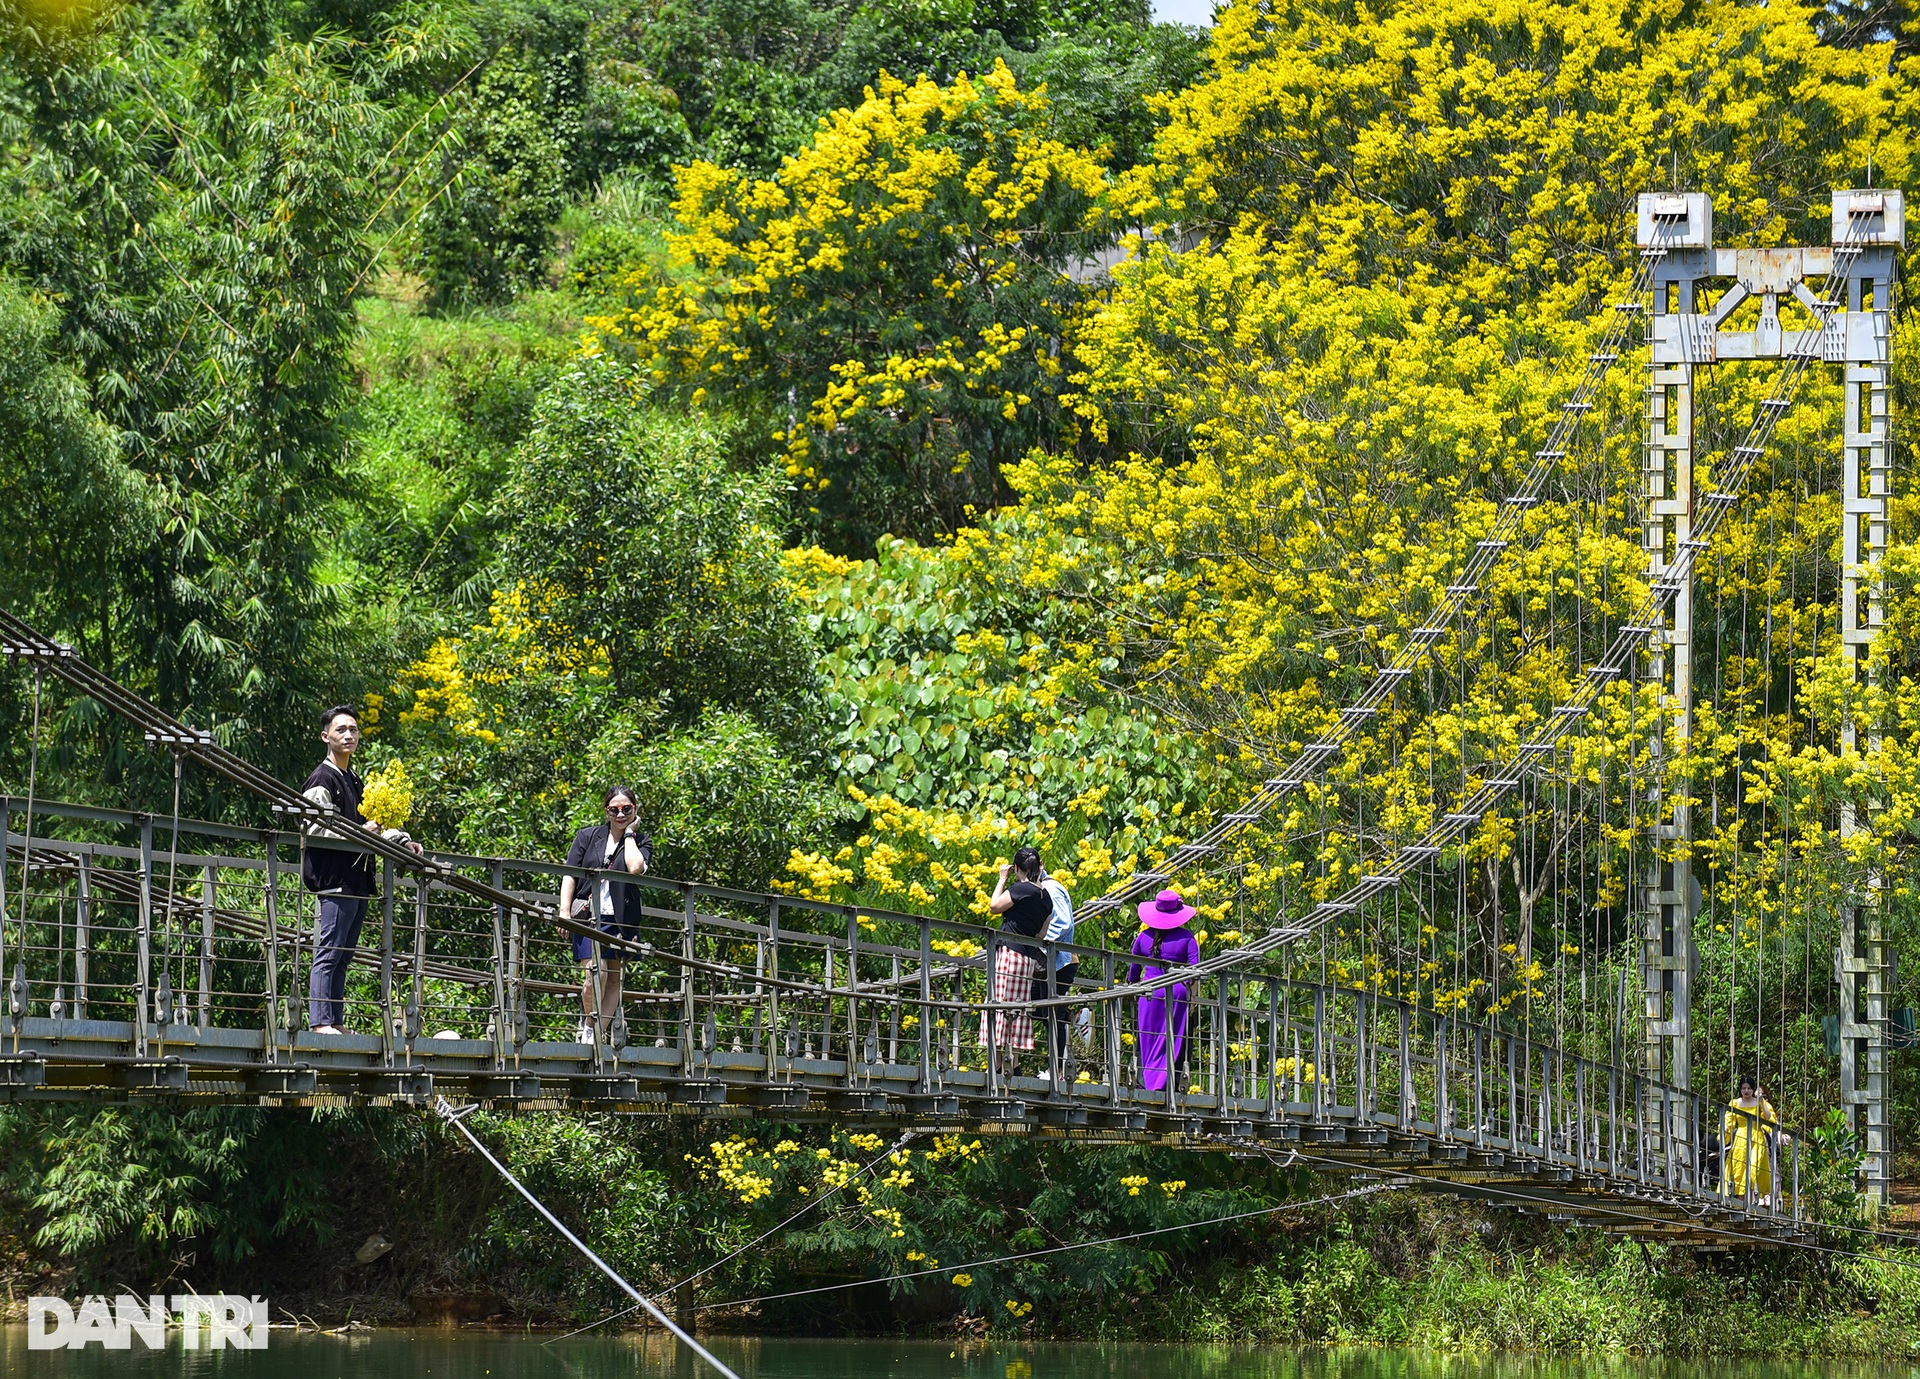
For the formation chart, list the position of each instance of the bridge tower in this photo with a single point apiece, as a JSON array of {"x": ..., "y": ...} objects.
[
  {"x": 1866, "y": 473},
  {"x": 1666, "y": 896},
  {"x": 1685, "y": 331}
]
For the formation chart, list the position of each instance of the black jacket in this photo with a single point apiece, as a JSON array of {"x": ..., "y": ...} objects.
[
  {"x": 331, "y": 868},
  {"x": 590, "y": 850}
]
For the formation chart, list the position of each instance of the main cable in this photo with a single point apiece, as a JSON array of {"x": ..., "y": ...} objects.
[
  {"x": 1508, "y": 527},
  {"x": 1728, "y": 484}
]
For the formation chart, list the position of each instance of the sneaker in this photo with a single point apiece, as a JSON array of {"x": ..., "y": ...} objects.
[
  {"x": 326, "y": 1029},
  {"x": 1045, "y": 1076},
  {"x": 584, "y": 1035}
]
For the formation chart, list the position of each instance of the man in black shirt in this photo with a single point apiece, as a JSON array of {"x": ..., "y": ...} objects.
[{"x": 342, "y": 880}]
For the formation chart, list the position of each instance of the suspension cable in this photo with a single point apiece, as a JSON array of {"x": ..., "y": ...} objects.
[{"x": 1508, "y": 528}]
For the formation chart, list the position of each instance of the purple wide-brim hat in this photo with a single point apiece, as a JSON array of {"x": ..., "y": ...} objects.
[{"x": 1166, "y": 911}]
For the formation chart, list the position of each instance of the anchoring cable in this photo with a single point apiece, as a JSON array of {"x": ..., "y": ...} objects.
[
  {"x": 764, "y": 1236},
  {"x": 455, "y": 1117},
  {"x": 949, "y": 1269}
]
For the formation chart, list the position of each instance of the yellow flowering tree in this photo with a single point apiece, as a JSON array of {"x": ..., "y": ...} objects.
[
  {"x": 1377, "y": 239},
  {"x": 889, "y": 307}
]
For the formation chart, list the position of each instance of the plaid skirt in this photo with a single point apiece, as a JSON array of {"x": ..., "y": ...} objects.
[{"x": 1012, "y": 983}]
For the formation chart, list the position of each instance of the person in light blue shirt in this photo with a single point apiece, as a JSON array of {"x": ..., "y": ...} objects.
[{"x": 1064, "y": 967}]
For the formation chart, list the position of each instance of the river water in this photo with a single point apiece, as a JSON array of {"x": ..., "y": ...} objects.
[{"x": 511, "y": 1355}]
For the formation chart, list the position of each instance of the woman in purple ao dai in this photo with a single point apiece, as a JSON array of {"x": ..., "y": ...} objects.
[{"x": 1163, "y": 943}]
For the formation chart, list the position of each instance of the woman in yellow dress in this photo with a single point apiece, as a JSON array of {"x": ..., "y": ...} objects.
[{"x": 1747, "y": 1137}]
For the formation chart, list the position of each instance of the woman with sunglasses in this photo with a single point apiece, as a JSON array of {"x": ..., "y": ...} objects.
[{"x": 616, "y": 845}]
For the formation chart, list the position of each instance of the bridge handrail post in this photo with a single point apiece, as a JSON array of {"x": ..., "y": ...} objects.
[
  {"x": 773, "y": 988},
  {"x": 271, "y": 1032},
  {"x": 1667, "y": 1123},
  {"x": 1112, "y": 1016},
  {"x": 1043, "y": 1017},
  {"x": 1362, "y": 1048},
  {"x": 927, "y": 1023},
  {"x": 826, "y": 1002},
  {"x": 1319, "y": 1054},
  {"x": 82, "y": 933},
  {"x": 206, "y": 945},
  {"x": 143, "y": 958},
  {"x": 498, "y": 875},
  {"x": 853, "y": 1001},
  {"x": 1406, "y": 1068},
  {"x": 686, "y": 986},
  {"x": 516, "y": 1013},
  {"x": 989, "y": 1017},
  {"x": 1270, "y": 1065},
  {"x": 296, "y": 1009},
  {"x": 1697, "y": 1151},
  {"x": 1513, "y": 1096},
  {"x": 416, "y": 1002},
  {"x": 386, "y": 962},
  {"x": 1545, "y": 1108},
  {"x": 1218, "y": 1062},
  {"x": 893, "y": 1016},
  {"x": 1798, "y": 1214},
  {"x": 1479, "y": 1087},
  {"x": 1580, "y": 1113},
  {"x": 1443, "y": 1075}
]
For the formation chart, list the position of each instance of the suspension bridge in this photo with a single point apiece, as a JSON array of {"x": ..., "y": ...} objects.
[{"x": 152, "y": 957}]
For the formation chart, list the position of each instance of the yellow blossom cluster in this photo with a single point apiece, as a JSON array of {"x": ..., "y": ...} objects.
[
  {"x": 1288, "y": 1067},
  {"x": 388, "y": 797},
  {"x": 951, "y": 187},
  {"x": 953, "y": 1147},
  {"x": 732, "y": 1164}
]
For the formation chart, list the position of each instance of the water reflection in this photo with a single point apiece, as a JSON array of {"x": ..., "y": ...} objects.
[{"x": 494, "y": 1355}]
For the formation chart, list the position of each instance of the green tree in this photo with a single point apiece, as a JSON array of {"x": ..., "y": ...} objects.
[
  {"x": 518, "y": 160},
  {"x": 633, "y": 533},
  {"x": 72, "y": 507},
  {"x": 197, "y": 201},
  {"x": 723, "y": 802}
]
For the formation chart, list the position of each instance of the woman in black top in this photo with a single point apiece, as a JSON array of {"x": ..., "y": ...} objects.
[
  {"x": 1025, "y": 908},
  {"x": 611, "y": 906}
]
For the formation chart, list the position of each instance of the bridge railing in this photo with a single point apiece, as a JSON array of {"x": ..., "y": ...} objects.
[{"x": 202, "y": 932}]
